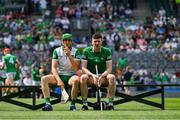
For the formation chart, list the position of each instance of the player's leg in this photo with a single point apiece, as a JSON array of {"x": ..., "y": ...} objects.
[
  {"x": 110, "y": 81},
  {"x": 74, "y": 82},
  {"x": 85, "y": 80},
  {"x": 127, "y": 89},
  {"x": 9, "y": 82},
  {"x": 2, "y": 84},
  {"x": 16, "y": 83},
  {"x": 45, "y": 81}
]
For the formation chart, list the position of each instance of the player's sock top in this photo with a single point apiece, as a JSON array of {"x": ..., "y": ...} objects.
[
  {"x": 84, "y": 100},
  {"x": 111, "y": 101},
  {"x": 73, "y": 102},
  {"x": 47, "y": 100}
]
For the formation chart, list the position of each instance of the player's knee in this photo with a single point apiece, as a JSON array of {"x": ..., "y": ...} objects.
[
  {"x": 111, "y": 79},
  {"x": 44, "y": 79},
  {"x": 9, "y": 81},
  {"x": 6, "y": 83},
  {"x": 76, "y": 81},
  {"x": 83, "y": 79},
  {"x": 75, "y": 78}
]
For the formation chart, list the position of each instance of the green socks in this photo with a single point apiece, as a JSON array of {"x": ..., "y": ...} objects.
[
  {"x": 73, "y": 102},
  {"x": 84, "y": 100},
  {"x": 47, "y": 100},
  {"x": 111, "y": 101}
]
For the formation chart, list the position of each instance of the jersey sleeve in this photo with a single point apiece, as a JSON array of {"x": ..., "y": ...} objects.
[
  {"x": 109, "y": 54},
  {"x": 84, "y": 57},
  {"x": 15, "y": 59},
  {"x": 55, "y": 55},
  {"x": 77, "y": 54}
]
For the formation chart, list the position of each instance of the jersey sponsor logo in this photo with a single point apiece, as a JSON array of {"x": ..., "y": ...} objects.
[{"x": 97, "y": 59}]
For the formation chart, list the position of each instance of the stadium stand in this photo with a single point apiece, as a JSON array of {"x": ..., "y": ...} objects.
[{"x": 33, "y": 29}]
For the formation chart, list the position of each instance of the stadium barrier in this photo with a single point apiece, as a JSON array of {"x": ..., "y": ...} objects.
[
  {"x": 22, "y": 90},
  {"x": 138, "y": 97},
  {"x": 25, "y": 90}
]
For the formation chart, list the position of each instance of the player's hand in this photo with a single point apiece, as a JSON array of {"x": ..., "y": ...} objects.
[
  {"x": 100, "y": 79},
  {"x": 67, "y": 51},
  {"x": 1, "y": 66},
  {"x": 61, "y": 84},
  {"x": 96, "y": 80}
]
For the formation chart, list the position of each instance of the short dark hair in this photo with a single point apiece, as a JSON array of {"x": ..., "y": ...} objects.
[{"x": 97, "y": 36}]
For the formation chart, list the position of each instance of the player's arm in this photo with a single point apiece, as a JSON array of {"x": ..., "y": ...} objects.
[
  {"x": 108, "y": 64},
  {"x": 55, "y": 72},
  {"x": 17, "y": 64},
  {"x": 86, "y": 71},
  {"x": 54, "y": 66},
  {"x": 3, "y": 63},
  {"x": 108, "y": 70},
  {"x": 75, "y": 62},
  {"x": 84, "y": 63},
  {"x": 84, "y": 68}
]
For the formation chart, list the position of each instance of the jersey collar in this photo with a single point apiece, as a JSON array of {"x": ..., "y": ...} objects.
[{"x": 96, "y": 52}]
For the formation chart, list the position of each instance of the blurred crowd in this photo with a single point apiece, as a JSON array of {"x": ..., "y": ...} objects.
[{"x": 32, "y": 38}]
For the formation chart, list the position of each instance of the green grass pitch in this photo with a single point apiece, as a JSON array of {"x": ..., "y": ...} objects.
[{"x": 127, "y": 111}]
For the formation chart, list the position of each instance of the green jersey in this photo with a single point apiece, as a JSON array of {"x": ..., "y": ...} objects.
[
  {"x": 164, "y": 77},
  {"x": 157, "y": 77},
  {"x": 10, "y": 62},
  {"x": 122, "y": 62},
  {"x": 65, "y": 66},
  {"x": 98, "y": 59},
  {"x": 36, "y": 75}
]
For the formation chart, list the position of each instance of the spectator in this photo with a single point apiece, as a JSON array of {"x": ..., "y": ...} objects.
[
  {"x": 27, "y": 81},
  {"x": 127, "y": 79}
]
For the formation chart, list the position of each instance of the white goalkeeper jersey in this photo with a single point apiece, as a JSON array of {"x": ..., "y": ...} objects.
[{"x": 65, "y": 66}]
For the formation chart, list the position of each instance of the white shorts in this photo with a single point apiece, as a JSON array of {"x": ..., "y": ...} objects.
[
  {"x": 10, "y": 75},
  {"x": 36, "y": 83},
  {"x": 17, "y": 82},
  {"x": 1, "y": 83}
]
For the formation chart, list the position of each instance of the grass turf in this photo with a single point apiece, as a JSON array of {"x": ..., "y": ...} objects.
[{"x": 128, "y": 111}]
